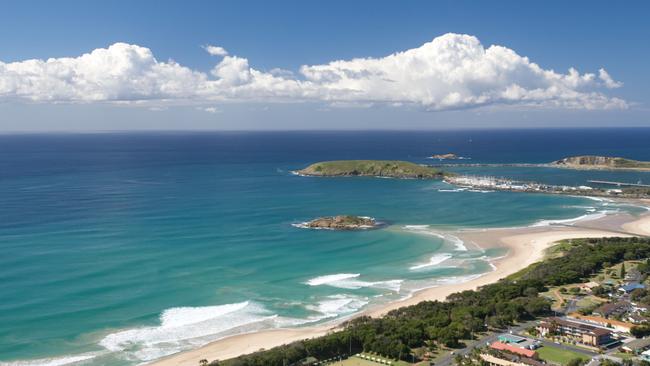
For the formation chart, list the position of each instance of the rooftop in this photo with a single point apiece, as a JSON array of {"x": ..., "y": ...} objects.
[
  {"x": 582, "y": 326},
  {"x": 513, "y": 349}
]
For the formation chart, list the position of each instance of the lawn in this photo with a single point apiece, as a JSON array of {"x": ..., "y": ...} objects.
[
  {"x": 357, "y": 361},
  {"x": 559, "y": 355}
]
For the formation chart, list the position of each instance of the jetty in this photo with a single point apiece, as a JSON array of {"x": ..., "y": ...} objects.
[{"x": 619, "y": 184}]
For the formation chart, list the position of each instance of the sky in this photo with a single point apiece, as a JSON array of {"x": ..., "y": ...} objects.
[{"x": 294, "y": 65}]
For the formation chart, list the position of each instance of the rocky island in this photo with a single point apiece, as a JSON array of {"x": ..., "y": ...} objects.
[
  {"x": 341, "y": 222},
  {"x": 592, "y": 162},
  {"x": 371, "y": 168}
]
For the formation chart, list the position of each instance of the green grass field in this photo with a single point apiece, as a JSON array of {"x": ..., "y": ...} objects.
[
  {"x": 356, "y": 361},
  {"x": 558, "y": 355}
]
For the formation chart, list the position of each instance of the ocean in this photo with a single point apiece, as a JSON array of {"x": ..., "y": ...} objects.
[{"x": 120, "y": 248}]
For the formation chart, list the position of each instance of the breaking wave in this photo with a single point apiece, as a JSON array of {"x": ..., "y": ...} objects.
[
  {"x": 349, "y": 281},
  {"x": 433, "y": 261}
]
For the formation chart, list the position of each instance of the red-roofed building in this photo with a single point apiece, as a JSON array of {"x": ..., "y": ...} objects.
[{"x": 514, "y": 349}]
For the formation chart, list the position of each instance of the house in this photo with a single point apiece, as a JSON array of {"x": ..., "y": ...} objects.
[
  {"x": 580, "y": 332},
  {"x": 588, "y": 286},
  {"x": 613, "y": 309},
  {"x": 636, "y": 346},
  {"x": 631, "y": 287},
  {"x": 633, "y": 275},
  {"x": 636, "y": 318},
  {"x": 645, "y": 355},
  {"x": 524, "y": 352}
]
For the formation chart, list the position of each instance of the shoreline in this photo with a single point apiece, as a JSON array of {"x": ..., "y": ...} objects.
[{"x": 526, "y": 245}]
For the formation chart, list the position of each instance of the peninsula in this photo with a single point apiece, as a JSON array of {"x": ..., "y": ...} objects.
[
  {"x": 341, "y": 222},
  {"x": 592, "y": 162},
  {"x": 371, "y": 168}
]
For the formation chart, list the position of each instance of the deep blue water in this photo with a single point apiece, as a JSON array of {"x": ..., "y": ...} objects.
[{"x": 121, "y": 248}]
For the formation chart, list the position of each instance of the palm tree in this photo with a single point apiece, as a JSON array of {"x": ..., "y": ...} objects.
[{"x": 203, "y": 362}]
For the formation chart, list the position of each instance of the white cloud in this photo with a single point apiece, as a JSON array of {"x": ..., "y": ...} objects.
[
  {"x": 451, "y": 72},
  {"x": 212, "y": 110},
  {"x": 215, "y": 50},
  {"x": 609, "y": 82}
]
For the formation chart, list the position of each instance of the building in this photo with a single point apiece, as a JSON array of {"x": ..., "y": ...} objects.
[
  {"x": 645, "y": 355},
  {"x": 616, "y": 325},
  {"x": 633, "y": 275},
  {"x": 636, "y": 318},
  {"x": 613, "y": 309},
  {"x": 579, "y": 332},
  {"x": 504, "y": 359},
  {"x": 510, "y": 338},
  {"x": 631, "y": 287},
  {"x": 519, "y": 351},
  {"x": 636, "y": 346},
  {"x": 589, "y": 286}
]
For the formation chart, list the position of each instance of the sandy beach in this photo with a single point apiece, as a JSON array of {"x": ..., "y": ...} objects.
[{"x": 525, "y": 246}]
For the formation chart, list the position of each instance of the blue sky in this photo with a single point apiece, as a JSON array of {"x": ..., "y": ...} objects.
[{"x": 555, "y": 35}]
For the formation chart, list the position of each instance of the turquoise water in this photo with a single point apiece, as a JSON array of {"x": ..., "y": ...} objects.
[{"x": 122, "y": 248}]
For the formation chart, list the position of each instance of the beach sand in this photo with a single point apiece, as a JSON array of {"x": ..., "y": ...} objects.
[{"x": 525, "y": 246}]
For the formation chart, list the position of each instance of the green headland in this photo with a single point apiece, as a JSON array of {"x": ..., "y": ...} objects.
[
  {"x": 601, "y": 162},
  {"x": 372, "y": 168}
]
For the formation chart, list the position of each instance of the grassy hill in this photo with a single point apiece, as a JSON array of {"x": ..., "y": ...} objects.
[
  {"x": 371, "y": 168},
  {"x": 601, "y": 162}
]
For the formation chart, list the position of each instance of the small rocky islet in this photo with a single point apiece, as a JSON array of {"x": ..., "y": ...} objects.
[{"x": 341, "y": 222}]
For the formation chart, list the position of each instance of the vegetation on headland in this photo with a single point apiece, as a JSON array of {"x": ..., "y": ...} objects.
[
  {"x": 406, "y": 332},
  {"x": 600, "y": 162},
  {"x": 371, "y": 168}
]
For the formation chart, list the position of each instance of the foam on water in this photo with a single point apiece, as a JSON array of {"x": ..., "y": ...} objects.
[
  {"x": 433, "y": 261},
  {"x": 186, "y": 327},
  {"x": 591, "y": 216},
  {"x": 453, "y": 190},
  {"x": 322, "y": 280},
  {"x": 337, "y": 305},
  {"x": 59, "y": 361},
  {"x": 458, "y": 244},
  {"x": 349, "y": 281}
]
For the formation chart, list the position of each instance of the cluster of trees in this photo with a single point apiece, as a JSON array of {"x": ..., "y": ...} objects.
[
  {"x": 432, "y": 323},
  {"x": 587, "y": 257}
]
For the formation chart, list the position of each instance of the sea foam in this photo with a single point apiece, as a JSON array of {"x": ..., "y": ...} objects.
[
  {"x": 186, "y": 327},
  {"x": 433, "y": 261},
  {"x": 458, "y": 244},
  {"x": 349, "y": 281},
  {"x": 571, "y": 221},
  {"x": 59, "y": 361},
  {"x": 337, "y": 305}
]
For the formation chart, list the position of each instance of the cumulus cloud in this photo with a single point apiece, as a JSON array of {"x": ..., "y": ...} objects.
[
  {"x": 452, "y": 71},
  {"x": 609, "y": 82},
  {"x": 215, "y": 50}
]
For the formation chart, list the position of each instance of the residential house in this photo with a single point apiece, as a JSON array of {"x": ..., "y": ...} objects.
[{"x": 613, "y": 309}]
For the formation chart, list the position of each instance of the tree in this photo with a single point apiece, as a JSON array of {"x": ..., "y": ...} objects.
[
  {"x": 575, "y": 362},
  {"x": 623, "y": 270},
  {"x": 203, "y": 362}
]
